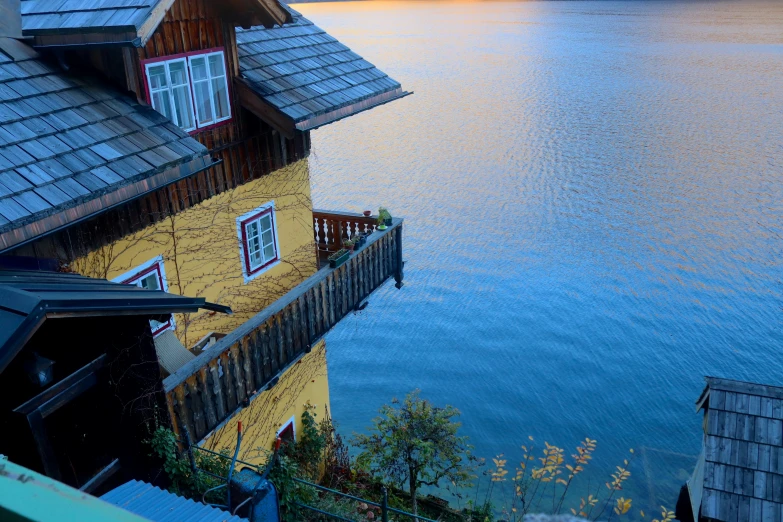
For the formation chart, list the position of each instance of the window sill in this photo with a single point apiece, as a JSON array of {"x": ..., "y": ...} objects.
[{"x": 249, "y": 278}]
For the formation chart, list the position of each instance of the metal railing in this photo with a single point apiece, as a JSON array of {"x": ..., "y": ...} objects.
[{"x": 383, "y": 505}]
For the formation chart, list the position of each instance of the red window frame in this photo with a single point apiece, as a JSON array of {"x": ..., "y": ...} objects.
[
  {"x": 154, "y": 268},
  {"x": 243, "y": 225},
  {"x": 166, "y": 58},
  {"x": 287, "y": 433}
]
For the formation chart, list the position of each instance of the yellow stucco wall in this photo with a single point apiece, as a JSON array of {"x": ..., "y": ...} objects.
[
  {"x": 305, "y": 383},
  {"x": 201, "y": 252}
]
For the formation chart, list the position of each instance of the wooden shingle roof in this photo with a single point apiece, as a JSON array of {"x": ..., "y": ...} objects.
[
  {"x": 743, "y": 452},
  {"x": 130, "y": 22},
  {"x": 71, "y": 146},
  {"x": 308, "y": 76}
]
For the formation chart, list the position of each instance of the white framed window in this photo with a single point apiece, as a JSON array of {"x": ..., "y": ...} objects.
[
  {"x": 169, "y": 85},
  {"x": 151, "y": 276},
  {"x": 258, "y": 243},
  {"x": 191, "y": 90},
  {"x": 210, "y": 88}
]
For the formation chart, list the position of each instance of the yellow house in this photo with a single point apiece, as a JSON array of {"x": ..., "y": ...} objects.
[{"x": 181, "y": 165}]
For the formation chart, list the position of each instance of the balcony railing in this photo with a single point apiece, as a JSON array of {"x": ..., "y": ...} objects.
[{"x": 210, "y": 388}]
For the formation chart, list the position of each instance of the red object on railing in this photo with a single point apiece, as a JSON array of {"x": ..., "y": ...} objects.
[
  {"x": 239, "y": 427},
  {"x": 278, "y": 443}
]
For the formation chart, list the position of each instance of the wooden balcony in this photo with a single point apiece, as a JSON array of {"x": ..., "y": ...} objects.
[{"x": 209, "y": 389}]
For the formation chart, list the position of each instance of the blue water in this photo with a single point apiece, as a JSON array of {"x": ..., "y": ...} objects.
[{"x": 593, "y": 204}]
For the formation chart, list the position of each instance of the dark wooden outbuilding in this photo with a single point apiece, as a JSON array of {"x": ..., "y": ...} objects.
[
  {"x": 739, "y": 475},
  {"x": 80, "y": 384}
]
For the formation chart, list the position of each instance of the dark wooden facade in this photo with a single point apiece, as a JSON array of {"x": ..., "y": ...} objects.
[{"x": 87, "y": 428}]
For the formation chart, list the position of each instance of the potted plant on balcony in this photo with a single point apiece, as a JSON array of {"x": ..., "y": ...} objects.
[
  {"x": 384, "y": 218},
  {"x": 339, "y": 257},
  {"x": 349, "y": 244}
]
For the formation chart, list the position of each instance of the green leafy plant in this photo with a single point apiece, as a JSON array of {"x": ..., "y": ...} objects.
[
  {"x": 415, "y": 443},
  {"x": 182, "y": 480},
  {"x": 308, "y": 451},
  {"x": 383, "y": 215}
]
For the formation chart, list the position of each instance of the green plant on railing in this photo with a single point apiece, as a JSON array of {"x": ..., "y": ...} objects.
[
  {"x": 289, "y": 492},
  {"x": 182, "y": 480},
  {"x": 384, "y": 216}
]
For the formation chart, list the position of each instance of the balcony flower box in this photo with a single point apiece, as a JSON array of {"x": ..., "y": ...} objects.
[{"x": 339, "y": 257}]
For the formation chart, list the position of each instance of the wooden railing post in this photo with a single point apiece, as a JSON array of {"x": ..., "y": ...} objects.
[{"x": 398, "y": 275}]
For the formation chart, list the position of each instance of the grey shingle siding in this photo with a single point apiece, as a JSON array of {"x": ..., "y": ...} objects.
[
  {"x": 743, "y": 450},
  {"x": 65, "y": 139},
  {"x": 304, "y": 72}
]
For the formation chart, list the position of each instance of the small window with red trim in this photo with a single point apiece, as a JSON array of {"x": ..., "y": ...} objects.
[
  {"x": 258, "y": 245},
  {"x": 151, "y": 276},
  {"x": 190, "y": 89},
  {"x": 287, "y": 433}
]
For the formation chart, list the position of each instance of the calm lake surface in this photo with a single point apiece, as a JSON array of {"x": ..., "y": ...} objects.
[{"x": 593, "y": 204}]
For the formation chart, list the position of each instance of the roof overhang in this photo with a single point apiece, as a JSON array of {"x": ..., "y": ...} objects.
[
  {"x": 64, "y": 218},
  {"x": 39, "y": 296},
  {"x": 254, "y": 102},
  {"x": 350, "y": 110},
  {"x": 241, "y": 12}
]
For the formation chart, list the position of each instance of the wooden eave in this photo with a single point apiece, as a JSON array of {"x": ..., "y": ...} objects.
[
  {"x": 256, "y": 104},
  {"x": 63, "y": 218},
  {"x": 350, "y": 110},
  {"x": 245, "y": 13}
]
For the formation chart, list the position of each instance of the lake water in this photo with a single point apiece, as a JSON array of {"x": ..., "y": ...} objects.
[{"x": 593, "y": 204}]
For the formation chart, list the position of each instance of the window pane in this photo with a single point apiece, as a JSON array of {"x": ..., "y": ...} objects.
[
  {"x": 267, "y": 237},
  {"x": 162, "y": 103},
  {"x": 216, "y": 65},
  {"x": 182, "y": 107},
  {"x": 150, "y": 282},
  {"x": 266, "y": 222},
  {"x": 178, "y": 73},
  {"x": 203, "y": 103},
  {"x": 269, "y": 252},
  {"x": 221, "y": 97},
  {"x": 199, "y": 69},
  {"x": 252, "y": 230},
  {"x": 157, "y": 76}
]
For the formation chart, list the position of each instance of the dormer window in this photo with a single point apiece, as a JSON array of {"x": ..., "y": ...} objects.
[{"x": 191, "y": 89}]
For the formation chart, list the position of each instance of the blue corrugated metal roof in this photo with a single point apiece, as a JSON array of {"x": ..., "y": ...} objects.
[{"x": 157, "y": 505}]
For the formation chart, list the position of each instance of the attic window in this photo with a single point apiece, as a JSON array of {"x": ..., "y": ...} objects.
[
  {"x": 150, "y": 276},
  {"x": 190, "y": 89}
]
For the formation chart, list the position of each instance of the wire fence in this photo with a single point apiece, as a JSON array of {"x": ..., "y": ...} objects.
[{"x": 386, "y": 510}]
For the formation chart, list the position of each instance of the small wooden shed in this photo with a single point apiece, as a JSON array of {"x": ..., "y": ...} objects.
[
  {"x": 739, "y": 474},
  {"x": 80, "y": 383}
]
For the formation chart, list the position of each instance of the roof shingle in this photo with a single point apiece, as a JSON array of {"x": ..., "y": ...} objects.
[
  {"x": 304, "y": 73},
  {"x": 65, "y": 140},
  {"x": 743, "y": 451}
]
